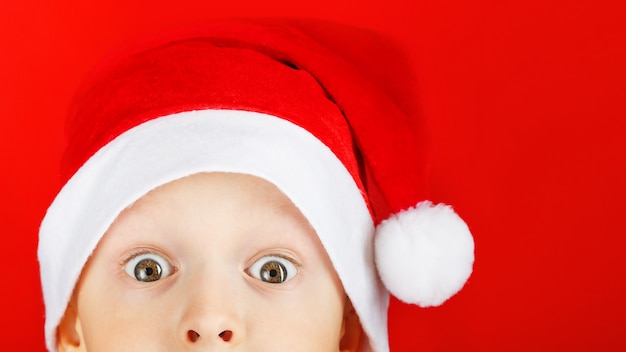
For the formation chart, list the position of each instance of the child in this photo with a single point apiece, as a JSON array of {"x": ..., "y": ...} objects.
[{"x": 248, "y": 188}]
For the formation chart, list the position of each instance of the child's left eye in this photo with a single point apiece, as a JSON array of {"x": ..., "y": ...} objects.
[
  {"x": 148, "y": 267},
  {"x": 273, "y": 269}
]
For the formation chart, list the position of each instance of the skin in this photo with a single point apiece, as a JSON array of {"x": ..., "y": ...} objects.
[{"x": 213, "y": 232}]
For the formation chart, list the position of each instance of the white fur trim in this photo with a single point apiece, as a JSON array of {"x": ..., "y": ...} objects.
[
  {"x": 171, "y": 147},
  {"x": 424, "y": 254}
]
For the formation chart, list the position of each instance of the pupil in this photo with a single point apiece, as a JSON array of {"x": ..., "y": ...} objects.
[
  {"x": 273, "y": 273},
  {"x": 149, "y": 271}
]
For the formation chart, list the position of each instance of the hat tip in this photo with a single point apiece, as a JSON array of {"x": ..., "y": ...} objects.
[{"x": 425, "y": 254}]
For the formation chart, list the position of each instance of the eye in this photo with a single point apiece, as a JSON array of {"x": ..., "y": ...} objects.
[
  {"x": 273, "y": 269},
  {"x": 148, "y": 267}
]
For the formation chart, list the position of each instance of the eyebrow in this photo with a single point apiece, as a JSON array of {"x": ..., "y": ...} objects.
[{"x": 285, "y": 208}]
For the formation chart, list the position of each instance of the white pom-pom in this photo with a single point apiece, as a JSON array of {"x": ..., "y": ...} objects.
[{"x": 424, "y": 255}]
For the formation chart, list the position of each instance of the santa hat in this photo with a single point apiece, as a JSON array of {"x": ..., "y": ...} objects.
[{"x": 269, "y": 101}]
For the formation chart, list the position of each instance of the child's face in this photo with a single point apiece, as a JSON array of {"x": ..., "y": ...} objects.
[{"x": 233, "y": 263}]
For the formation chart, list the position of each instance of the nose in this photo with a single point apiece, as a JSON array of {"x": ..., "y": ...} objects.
[{"x": 212, "y": 315}]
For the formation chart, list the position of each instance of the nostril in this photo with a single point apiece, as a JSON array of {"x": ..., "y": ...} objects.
[
  {"x": 193, "y": 336},
  {"x": 226, "y": 335}
]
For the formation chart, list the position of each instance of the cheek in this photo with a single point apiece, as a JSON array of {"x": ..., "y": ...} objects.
[
  {"x": 325, "y": 311},
  {"x": 114, "y": 325},
  {"x": 114, "y": 318},
  {"x": 312, "y": 317}
]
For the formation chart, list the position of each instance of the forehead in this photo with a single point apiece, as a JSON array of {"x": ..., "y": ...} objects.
[
  {"x": 206, "y": 200},
  {"x": 234, "y": 190}
]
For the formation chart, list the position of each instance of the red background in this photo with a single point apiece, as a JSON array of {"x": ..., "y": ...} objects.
[{"x": 527, "y": 103}]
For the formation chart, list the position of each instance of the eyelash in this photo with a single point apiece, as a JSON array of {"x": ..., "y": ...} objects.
[{"x": 134, "y": 254}]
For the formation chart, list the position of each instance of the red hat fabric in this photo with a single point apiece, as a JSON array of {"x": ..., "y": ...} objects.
[{"x": 156, "y": 112}]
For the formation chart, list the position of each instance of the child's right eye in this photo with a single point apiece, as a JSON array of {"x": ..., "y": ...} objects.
[{"x": 148, "y": 267}]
